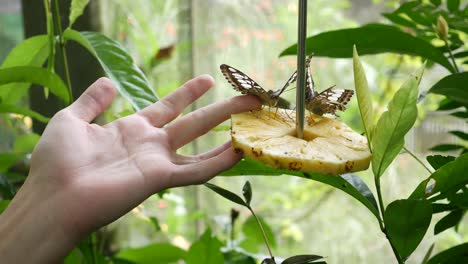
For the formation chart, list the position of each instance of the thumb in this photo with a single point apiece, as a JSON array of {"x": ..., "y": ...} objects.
[{"x": 94, "y": 100}]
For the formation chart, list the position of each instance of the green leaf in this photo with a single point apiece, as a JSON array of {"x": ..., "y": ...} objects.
[
  {"x": 448, "y": 221},
  {"x": 438, "y": 161},
  {"x": 363, "y": 96},
  {"x": 428, "y": 254},
  {"x": 153, "y": 253},
  {"x": 453, "y": 86},
  {"x": 31, "y": 52},
  {"x": 118, "y": 65},
  {"x": 226, "y": 194},
  {"x": 392, "y": 126},
  {"x": 354, "y": 187},
  {"x": 460, "y": 134},
  {"x": 253, "y": 241},
  {"x": 6, "y": 189},
  {"x": 301, "y": 259},
  {"x": 8, "y": 108},
  {"x": 450, "y": 177},
  {"x": 76, "y": 10},
  {"x": 7, "y": 160},
  {"x": 25, "y": 143},
  {"x": 446, "y": 147},
  {"x": 236, "y": 257},
  {"x": 399, "y": 20},
  {"x": 36, "y": 75},
  {"x": 247, "y": 192},
  {"x": 371, "y": 39},
  {"x": 436, "y": 2},
  {"x": 452, "y": 255},
  {"x": 206, "y": 250},
  {"x": 448, "y": 104},
  {"x": 452, "y": 5},
  {"x": 406, "y": 222},
  {"x": 3, "y": 205}
]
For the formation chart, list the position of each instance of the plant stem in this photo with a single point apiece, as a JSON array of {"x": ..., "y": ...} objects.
[
  {"x": 451, "y": 56},
  {"x": 381, "y": 222},
  {"x": 418, "y": 160},
  {"x": 62, "y": 47},
  {"x": 263, "y": 233}
]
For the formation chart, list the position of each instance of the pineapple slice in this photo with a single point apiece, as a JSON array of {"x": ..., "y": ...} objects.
[{"x": 329, "y": 146}]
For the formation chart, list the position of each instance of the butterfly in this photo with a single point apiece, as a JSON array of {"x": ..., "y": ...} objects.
[
  {"x": 326, "y": 102},
  {"x": 243, "y": 83}
]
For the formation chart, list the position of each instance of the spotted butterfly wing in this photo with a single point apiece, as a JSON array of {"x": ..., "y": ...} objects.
[
  {"x": 327, "y": 102},
  {"x": 246, "y": 85}
]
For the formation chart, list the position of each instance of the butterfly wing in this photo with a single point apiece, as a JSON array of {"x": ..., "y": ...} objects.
[
  {"x": 330, "y": 101},
  {"x": 243, "y": 83}
]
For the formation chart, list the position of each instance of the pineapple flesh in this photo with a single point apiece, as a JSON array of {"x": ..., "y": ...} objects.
[{"x": 329, "y": 146}]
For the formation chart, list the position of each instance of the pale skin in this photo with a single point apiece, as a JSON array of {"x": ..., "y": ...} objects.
[{"x": 84, "y": 176}]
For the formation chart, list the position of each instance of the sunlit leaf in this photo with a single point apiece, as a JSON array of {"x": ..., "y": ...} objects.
[
  {"x": 354, "y": 187},
  {"x": 448, "y": 221},
  {"x": 206, "y": 250},
  {"x": 3, "y": 205},
  {"x": 35, "y": 75},
  {"x": 118, "y": 65},
  {"x": 76, "y": 10},
  {"x": 450, "y": 177},
  {"x": 226, "y": 194},
  {"x": 371, "y": 39},
  {"x": 153, "y": 253},
  {"x": 14, "y": 109},
  {"x": 363, "y": 96},
  {"x": 25, "y": 143},
  {"x": 393, "y": 125},
  {"x": 406, "y": 222},
  {"x": 253, "y": 241},
  {"x": 457, "y": 254},
  {"x": 31, "y": 52},
  {"x": 453, "y": 86}
]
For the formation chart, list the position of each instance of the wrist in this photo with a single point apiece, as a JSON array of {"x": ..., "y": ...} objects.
[{"x": 32, "y": 229}]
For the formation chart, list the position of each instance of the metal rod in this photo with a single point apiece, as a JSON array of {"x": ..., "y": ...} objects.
[{"x": 301, "y": 71}]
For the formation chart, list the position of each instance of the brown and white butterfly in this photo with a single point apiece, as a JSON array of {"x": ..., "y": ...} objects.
[
  {"x": 244, "y": 84},
  {"x": 326, "y": 102}
]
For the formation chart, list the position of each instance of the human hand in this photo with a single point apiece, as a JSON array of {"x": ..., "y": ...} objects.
[{"x": 84, "y": 176}]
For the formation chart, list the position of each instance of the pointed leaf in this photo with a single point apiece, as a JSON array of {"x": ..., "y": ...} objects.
[
  {"x": 118, "y": 65},
  {"x": 36, "y": 75},
  {"x": 301, "y": 259},
  {"x": 8, "y": 108},
  {"x": 446, "y": 147},
  {"x": 388, "y": 138},
  {"x": 153, "y": 253},
  {"x": 428, "y": 254},
  {"x": 31, "y": 52},
  {"x": 452, "y": 255},
  {"x": 448, "y": 221},
  {"x": 247, "y": 192},
  {"x": 349, "y": 183},
  {"x": 363, "y": 96},
  {"x": 3, "y": 205},
  {"x": 460, "y": 134},
  {"x": 438, "y": 161},
  {"x": 453, "y": 86},
  {"x": 226, "y": 194},
  {"x": 371, "y": 39},
  {"x": 76, "y": 10},
  {"x": 406, "y": 222}
]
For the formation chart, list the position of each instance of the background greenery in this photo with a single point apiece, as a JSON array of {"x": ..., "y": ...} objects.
[{"x": 173, "y": 40}]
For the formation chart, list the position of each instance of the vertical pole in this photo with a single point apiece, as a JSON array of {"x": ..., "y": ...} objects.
[{"x": 301, "y": 71}]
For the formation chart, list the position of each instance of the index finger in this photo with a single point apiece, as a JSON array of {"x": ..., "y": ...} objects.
[{"x": 168, "y": 108}]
